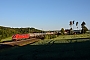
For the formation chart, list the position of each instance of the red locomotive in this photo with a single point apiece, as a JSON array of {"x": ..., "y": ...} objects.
[
  {"x": 27, "y": 36},
  {"x": 20, "y": 36}
]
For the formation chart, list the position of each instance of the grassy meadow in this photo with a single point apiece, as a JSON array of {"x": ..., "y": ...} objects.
[
  {"x": 66, "y": 47},
  {"x": 7, "y": 39}
]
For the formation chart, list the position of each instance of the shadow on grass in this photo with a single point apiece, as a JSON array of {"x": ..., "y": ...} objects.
[
  {"x": 4, "y": 46},
  {"x": 77, "y": 39},
  {"x": 54, "y": 51}
]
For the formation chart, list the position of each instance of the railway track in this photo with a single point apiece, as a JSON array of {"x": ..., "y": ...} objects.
[{"x": 17, "y": 43}]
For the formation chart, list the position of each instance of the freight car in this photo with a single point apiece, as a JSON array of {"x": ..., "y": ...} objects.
[{"x": 28, "y": 36}]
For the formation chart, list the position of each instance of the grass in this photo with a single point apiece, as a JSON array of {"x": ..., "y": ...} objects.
[
  {"x": 7, "y": 39},
  {"x": 73, "y": 36},
  {"x": 53, "y": 49},
  {"x": 64, "y": 39}
]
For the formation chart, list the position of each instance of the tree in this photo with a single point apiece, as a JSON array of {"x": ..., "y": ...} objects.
[
  {"x": 71, "y": 23},
  {"x": 0, "y": 37},
  {"x": 77, "y": 24},
  {"x": 83, "y": 23},
  {"x": 71, "y": 31},
  {"x": 62, "y": 31},
  {"x": 84, "y": 28}
]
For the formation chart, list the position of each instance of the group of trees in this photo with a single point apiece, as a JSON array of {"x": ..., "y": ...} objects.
[
  {"x": 71, "y": 23},
  {"x": 84, "y": 28},
  {"x": 7, "y": 31}
]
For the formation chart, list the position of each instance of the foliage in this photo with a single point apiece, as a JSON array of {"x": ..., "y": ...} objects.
[
  {"x": 84, "y": 28},
  {"x": 50, "y": 36},
  {"x": 71, "y": 23},
  {"x": 71, "y": 31},
  {"x": 7, "y": 31},
  {"x": 62, "y": 31},
  {"x": 77, "y": 24},
  {"x": 0, "y": 37},
  {"x": 83, "y": 23}
]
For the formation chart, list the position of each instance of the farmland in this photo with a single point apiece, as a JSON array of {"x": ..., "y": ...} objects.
[{"x": 66, "y": 47}]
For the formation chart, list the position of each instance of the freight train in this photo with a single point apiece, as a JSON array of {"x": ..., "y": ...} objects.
[{"x": 17, "y": 37}]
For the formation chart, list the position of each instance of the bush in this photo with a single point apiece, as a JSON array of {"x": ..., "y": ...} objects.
[
  {"x": 84, "y": 29},
  {"x": 0, "y": 38},
  {"x": 50, "y": 36},
  {"x": 62, "y": 31}
]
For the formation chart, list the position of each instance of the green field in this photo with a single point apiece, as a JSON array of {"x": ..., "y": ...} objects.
[
  {"x": 66, "y": 47},
  {"x": 7, "y": 39},
  {"x": 65, "y": 39}
]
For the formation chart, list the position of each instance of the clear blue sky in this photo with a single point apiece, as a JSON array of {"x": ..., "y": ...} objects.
[{"x": 44, "y": 14}]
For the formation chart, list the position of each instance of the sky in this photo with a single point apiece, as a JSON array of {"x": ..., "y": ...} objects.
[{"x": 44, "y": 14}]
